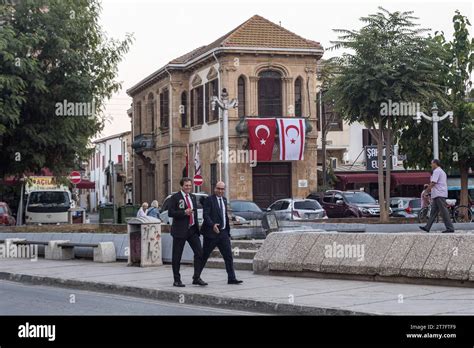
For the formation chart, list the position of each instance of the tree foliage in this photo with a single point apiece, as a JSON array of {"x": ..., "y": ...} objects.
[
  {"x": 52, "y": 51},
  {"x": 388, "y": 59}
]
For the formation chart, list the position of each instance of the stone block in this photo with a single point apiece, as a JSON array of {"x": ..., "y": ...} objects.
[
  {"x": 105, "y": 252},
  {"x": 418, "y": 255},
  {"x": 54, "y": 252},
  {"x": 396, "y": 254}
]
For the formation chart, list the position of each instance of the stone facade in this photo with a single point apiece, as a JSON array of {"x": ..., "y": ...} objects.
[{"x": 158, "y": 167}]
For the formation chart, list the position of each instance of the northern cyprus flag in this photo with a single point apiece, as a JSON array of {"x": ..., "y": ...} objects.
[{"x": 292, "y": 138}]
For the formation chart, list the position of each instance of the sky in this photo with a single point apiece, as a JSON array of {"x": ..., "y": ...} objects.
[{"x": 164, "y": 30}]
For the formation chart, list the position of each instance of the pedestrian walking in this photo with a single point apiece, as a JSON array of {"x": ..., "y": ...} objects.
[
  {"x": 216, "y": 230},
  {"x": 183, "y": 210},
  {"x": 439, "y": 192}
]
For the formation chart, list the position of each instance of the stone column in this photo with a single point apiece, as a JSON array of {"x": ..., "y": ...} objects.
[{"x": 289, "y": 96}]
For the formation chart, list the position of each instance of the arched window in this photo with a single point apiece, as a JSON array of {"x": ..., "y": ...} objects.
[
  {"x": 183, "y": 109},
  {"x": 164, "y": 109},
  {"x": 241, "y": 95},
  {"x": 298, "y": 97},
  {"x": 269, "y": 94},
  {"x": 151, "y": 111}
]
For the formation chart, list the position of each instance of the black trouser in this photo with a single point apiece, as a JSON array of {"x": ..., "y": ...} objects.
[
  {"x": 178, "y": 247},
  {"x": 439, "y": 206},
  {"x": 222, "y": 242}
]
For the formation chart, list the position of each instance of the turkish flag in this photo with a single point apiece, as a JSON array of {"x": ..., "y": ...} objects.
[
  {"x": 262, "y": 137},
  {"x": 292, "y": 137}
]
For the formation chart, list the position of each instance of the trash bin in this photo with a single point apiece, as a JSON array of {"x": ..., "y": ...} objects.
[
  {"x": 127, "y": 212},
  {"x": 106, "y": 214},
  {"x": 144, "y": 235},
  {"x": 76, "y": 216}
]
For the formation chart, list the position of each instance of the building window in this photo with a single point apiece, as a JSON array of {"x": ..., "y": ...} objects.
[
  {"x": 183, "y": 110},
  {"x": 241, "y": 95},
  {"x": 197, "y": 102},
  {"x": 164, "y": 109},
  {"x": 140, "y": 187},
  {"x": 211, "y": 89},
  {"x": 138, "y": 118},
  {"x": 298, "y": 97},
  {"x": 270, "y": 94},
  {"x": 192, "y": 108},
  {"x": 213, "y": 176},
  {"x": 367, "y": 139},
  {"x": 151, "y": 111}
]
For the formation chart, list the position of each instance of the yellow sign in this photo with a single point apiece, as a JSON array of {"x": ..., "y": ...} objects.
[{"x": 42, "y": 183}]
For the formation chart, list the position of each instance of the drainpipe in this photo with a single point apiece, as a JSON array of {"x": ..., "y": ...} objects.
[
  {"x": 170, "y": 106},
  {"x": 219, "y": 118}
]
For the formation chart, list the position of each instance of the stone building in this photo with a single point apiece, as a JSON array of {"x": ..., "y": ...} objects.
[{"x": 271, "y": 71}]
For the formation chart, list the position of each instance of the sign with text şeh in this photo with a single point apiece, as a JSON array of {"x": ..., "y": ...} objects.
[{"x": 371, "y": 157}]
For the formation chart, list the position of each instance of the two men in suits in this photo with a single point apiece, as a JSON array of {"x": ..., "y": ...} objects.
[
  {"x": 185, "y": 228},
  {"x": 216, "y": 230}
]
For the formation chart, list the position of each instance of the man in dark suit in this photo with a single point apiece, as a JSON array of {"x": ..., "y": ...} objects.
[
  {"x": 216, "y": 230},
  {"x": 183, "y": 209}
]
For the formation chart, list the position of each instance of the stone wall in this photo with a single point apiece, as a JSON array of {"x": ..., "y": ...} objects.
[{"x": 385, "y": 256}]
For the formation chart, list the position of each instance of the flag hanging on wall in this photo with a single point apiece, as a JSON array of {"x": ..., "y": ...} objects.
[
  {"x": 197, "y": 160},
  {"x": 262, "y": 137},
  {"x": 292, "y": 138}
]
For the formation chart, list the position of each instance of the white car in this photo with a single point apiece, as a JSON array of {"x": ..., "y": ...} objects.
[{"x": 297, "y": 209}]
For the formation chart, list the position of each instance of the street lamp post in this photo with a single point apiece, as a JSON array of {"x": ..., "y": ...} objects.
[
  {"x": 225, "y": 105},
  {"x": 434, "y": 119}
]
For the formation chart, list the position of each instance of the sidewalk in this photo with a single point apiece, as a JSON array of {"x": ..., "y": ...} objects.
[{"x": 264, "y": 294}]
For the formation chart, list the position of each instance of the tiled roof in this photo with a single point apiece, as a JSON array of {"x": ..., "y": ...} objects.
[{"x": 255, "y": 32}]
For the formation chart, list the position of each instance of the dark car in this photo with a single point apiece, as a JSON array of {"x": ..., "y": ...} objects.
[
  {"x": 6, "y": 216},
  {"x": 356, "y": 204},
  {"x": 246, "y": 209},
  {"x": 407, "y": 207}
]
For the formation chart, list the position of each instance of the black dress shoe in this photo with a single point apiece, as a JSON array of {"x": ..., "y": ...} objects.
[
  {"x": 424, "y": 228},
  {"x": 199, "y": 281},
  {"x": 179, "y": 284},
  {"x": 234, "y": 281},
  {"x": 447, "y": 231}
]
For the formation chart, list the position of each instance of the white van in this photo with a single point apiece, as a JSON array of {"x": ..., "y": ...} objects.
[{"x": 48, "y": 206}]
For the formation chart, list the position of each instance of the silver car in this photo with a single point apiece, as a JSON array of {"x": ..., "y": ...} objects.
[{"x": 297, "y": 209}]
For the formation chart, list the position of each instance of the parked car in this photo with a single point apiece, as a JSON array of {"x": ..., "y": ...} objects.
[
  {"x": 342, "y": 204},
  {"x": 200, "y": 197},
  {"x": 6, "y": 216},
  {"x": 247, "y": 209},
  {"x": 297, "y": 209},
  {"x": 407, "y": 207}
]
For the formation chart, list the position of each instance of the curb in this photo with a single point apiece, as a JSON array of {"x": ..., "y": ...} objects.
[{"x": 175, "y": 296}]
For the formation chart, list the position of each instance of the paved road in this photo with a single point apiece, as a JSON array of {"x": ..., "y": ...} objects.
[{"x": 23, "y": 299}]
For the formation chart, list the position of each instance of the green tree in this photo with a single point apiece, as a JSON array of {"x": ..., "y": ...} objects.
[
  {"x": 456, "y": 143},
  {"x": 388, "y": 59},
  {"x": 52, "y": 51}
]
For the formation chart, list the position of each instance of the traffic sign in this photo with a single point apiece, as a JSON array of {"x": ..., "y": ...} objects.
[
  {"x": 75, "y": 177},
  {"x": 197, "y": 180}
]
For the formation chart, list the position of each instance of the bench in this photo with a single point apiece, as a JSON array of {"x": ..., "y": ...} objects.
[{"x": 102, "y": 251}]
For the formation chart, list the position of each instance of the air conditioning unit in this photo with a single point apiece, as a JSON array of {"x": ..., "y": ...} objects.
[{"x": 333, "y": 162}]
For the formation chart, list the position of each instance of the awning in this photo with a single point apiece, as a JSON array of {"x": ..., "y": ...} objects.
[
  {"x": 410, "y": 178},
  {"x": 86, "y": 184},
  {"x": 351, "y": 178}
]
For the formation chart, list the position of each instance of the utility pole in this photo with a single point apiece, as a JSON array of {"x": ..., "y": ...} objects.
[{"x": 225, "y": 105}]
